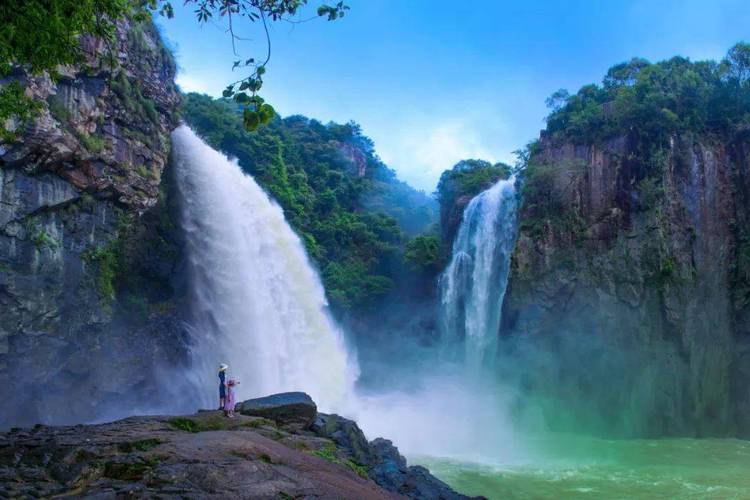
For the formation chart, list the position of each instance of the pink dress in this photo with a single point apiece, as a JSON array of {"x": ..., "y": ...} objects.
[{"x": 229, "y": 403}]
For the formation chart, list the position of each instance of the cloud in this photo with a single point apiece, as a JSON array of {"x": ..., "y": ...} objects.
[
  {"x": 189, "y": 83},
  {"x": 421, "y": 150}
]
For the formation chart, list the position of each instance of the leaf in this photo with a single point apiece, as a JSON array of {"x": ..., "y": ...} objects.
[
  {"x": 167, "y": 10},
  {"x": 254, "y": 85},
  {"x": 266, "y": 113},
  {"x": 251, "y": 120}
]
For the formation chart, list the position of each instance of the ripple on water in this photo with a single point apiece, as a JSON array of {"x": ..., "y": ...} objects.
[{"x": 594, "y": 468}]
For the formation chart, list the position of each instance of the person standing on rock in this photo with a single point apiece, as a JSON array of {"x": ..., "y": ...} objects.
[
  {"x": 222, "y": 385},
  {"x": 229, "y": 402}
]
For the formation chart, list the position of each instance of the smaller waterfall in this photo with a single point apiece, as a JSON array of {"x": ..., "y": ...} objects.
[
  {"x": 473, "y": 285},
  {"x": 455, "y": 389},
  {"x": 257, "y": 302}
]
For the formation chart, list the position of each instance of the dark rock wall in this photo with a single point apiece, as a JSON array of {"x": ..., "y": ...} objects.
[
  {"x": 88, "y": 253},
  {"x": 627, "y": 307}
]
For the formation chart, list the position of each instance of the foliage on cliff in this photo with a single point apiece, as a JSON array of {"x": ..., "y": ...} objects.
[
  {"x": 469, "y": 177},
  {"x": 347, "y": 206},
  {"x": 655, "y": 100},
  {"x": 458, "y": 186}
]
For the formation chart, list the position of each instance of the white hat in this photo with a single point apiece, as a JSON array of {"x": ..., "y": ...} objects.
[{"x": 223, "y": 367}]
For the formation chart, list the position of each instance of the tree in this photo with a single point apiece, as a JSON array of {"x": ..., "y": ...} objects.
[
  {"x": 624, "y": 74},
  {"x": 557, "y": 100},
  {"x": 649, "y": 102},
  {"x": 738, "y": 61},
  {"x": 39, "y": 35},
  {"x": 423, "y": 252}
]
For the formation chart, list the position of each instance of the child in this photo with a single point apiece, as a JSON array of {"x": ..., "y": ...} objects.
[{"x": 229, "y": 404}]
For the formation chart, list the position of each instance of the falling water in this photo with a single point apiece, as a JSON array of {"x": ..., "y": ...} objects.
[
  {"x": 456, "y": 408},
  {"x": 473, "y": 286},
  {"x": 257, "y": 303}
]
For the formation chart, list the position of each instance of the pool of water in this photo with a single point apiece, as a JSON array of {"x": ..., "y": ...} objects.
[{"x": 578, "y": 467}]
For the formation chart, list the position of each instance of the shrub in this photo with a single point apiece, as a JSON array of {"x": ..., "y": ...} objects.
[
  {"x": 469, "y": 177},
  {"x": 328, "y": 452},
  {"x": 423, "y": 252},
  {"x": 140, "y": 445}
]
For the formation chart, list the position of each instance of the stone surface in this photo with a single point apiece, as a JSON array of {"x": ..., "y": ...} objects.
[
  {"x": 382, "y": 461},
  {"x": 207, "y": 455},
  {"x": 290, "y": 409},
  {"x": 244, "y": 457}
]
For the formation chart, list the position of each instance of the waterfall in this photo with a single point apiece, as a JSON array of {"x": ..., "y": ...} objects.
[
  {"x": 457, "y": 388},
  {"x": 473, "y": 285},
  {"x": 257, "y": 303}
]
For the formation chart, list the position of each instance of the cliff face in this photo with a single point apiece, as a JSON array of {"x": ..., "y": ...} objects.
[
  {"x": 87, "y": 249},
  {"x": 628, "y": 297}
]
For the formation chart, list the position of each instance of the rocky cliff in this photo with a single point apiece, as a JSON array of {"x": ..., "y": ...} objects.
[
  {"x": 87, "y": 249},
  {"x": 628, "y": 301}
]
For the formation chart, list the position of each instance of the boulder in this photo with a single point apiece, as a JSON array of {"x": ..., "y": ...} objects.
[
  {"x": 384, "y": 464},
  {"x": 347, "y": 435},
  {"x": 290, "y": 409}
]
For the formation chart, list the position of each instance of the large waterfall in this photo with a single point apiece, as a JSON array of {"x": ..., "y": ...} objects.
[
  {"x": 473, "y": 286},
  {"x": 258, "y": 304}
]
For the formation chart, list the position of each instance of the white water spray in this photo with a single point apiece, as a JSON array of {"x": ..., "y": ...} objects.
[{"x": 257, "y": 302}]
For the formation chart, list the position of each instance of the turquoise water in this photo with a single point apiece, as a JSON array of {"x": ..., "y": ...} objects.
[{"x": 568, "y": 467}]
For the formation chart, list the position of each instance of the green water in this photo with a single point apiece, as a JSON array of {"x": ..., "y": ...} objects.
[{"x": 576, "y": 467}]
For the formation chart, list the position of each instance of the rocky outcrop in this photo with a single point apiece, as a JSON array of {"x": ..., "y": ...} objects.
[
  {"x": 381, "y": 461},
  {"x": 87, "y": 249},
  {"x": 628, "y": 299},
  {"x": 207, "y": 455},
  {"x": 292, "y": 409},
  {"x": 156, "y": 457}
]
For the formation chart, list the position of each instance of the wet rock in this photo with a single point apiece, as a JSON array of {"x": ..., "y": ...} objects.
[
  {"x": 289, "y": 409},
  {"x": 383, "y": 462},
  {"x": 347, "y": 435}
]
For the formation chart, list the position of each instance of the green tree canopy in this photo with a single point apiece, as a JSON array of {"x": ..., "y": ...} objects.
[
  {"x": 651, "y": 101},
  {"x": 469, "y": 177}
]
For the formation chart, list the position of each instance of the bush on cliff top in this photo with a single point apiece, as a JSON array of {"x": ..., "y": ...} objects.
[
  {"x": 469, "y": 177},
  {"x": 653, "y": 101}
]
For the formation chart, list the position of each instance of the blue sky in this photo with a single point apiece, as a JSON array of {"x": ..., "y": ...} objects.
[{"x": 433, "y": 82}]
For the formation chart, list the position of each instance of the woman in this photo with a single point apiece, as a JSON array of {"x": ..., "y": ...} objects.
[{"x": 222, "y": 385}]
